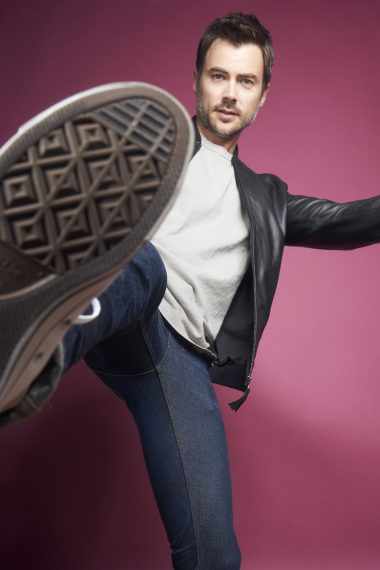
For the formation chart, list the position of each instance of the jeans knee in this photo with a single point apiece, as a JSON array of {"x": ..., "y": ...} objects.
[
  {"x": 222, "y": 553},
  {"x": 232, "y": 562},
  {"x": 226, "y": 559},
  {"x": 212, "y": 559}
]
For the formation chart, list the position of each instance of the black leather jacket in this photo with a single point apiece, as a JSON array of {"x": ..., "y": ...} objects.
[{"x": 277, "y": 219}]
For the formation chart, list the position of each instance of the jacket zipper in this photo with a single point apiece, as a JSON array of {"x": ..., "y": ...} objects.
[{"x": 236, "y": 405}]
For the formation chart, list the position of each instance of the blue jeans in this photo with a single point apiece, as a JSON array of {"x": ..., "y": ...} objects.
[{"x": 166, "y": 386}]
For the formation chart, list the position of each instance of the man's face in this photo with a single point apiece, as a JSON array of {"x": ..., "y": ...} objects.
[{"x": 229, "y": 90}]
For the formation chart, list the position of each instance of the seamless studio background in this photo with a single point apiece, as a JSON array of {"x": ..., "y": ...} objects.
[{"x": 305, "y": 447}]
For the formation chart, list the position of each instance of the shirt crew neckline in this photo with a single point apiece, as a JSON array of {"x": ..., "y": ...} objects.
[{"x": 216, "y": 148}]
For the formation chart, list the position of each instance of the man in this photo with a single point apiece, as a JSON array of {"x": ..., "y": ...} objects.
[{"x": 158, "y": 347}]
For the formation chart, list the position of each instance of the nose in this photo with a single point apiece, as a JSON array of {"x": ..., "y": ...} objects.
[{"x": 230, "y": 91}]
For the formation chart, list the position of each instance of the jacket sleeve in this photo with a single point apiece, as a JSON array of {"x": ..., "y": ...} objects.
[{"x": 318, "y": 223}]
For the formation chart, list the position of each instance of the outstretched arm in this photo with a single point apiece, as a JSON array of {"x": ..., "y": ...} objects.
[{"x": 318, "y": 223}]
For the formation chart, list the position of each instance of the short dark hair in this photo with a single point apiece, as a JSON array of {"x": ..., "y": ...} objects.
[{"x": 238, "y": 28}]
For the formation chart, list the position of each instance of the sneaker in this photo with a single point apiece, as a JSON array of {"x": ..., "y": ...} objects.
[{"x": 82, "y": 188}]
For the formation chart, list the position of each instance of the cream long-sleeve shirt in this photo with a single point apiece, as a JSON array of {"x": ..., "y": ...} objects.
[{"x": 203, "y": 242}]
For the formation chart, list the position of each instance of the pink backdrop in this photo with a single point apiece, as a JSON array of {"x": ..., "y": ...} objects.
[{"x": 305, "y": 448}]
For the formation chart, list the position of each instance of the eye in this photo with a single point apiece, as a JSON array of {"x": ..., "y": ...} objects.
[
  {"x": 217, "y": 76},
  {"x": 247, "y": 82}
]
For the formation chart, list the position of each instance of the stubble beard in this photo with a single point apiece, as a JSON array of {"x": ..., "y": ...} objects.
[{"x": 204, "y": 114}]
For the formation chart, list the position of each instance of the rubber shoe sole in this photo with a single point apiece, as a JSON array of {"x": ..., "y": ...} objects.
[{"x": 83, "y": 187}]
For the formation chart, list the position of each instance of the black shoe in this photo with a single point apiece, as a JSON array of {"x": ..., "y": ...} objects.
[{"x": 83, "y": 186}]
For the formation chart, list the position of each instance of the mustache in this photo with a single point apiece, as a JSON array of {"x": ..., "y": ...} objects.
[{"x": 229, "y": 107}]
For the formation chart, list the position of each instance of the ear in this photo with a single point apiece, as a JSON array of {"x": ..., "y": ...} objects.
[{"x": 263, "y": 97}]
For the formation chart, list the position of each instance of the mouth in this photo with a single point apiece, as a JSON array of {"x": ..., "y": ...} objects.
[{"x": 227, "y": 112}]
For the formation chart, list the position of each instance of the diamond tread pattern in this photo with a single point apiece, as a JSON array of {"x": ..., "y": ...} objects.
[{"x": 82, "y": 188}]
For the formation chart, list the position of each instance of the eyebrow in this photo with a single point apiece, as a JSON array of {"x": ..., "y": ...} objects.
[{"x": 217, "y": 69}]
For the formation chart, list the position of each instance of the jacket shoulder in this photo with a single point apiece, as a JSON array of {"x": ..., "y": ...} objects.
[{"x": 267, "y": 181}]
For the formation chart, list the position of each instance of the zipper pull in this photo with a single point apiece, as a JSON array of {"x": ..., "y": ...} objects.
[{"x": 236, "y": 405}]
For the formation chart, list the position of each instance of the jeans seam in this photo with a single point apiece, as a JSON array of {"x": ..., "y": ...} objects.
[
  {"x": 157, "y": 369},
  {"x": 179, "y": 446}
]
